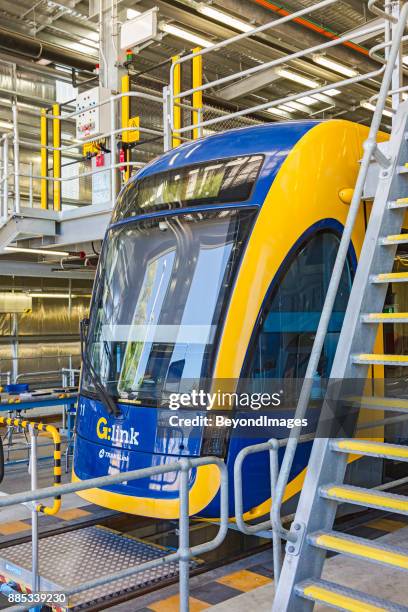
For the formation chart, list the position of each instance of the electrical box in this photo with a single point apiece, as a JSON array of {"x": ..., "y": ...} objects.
[
  {"x": 15, "y": 302},
  {"x": 92, "y": 119}
]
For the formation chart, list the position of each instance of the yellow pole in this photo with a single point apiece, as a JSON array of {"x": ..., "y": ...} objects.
[
  {"x": 176, "y": 140},
  {"x": 197, "y": 65},
  {"x": 56, "y": 138},
  {"x": 125, "y": 121},
  {"x": 44, "y": 159}
]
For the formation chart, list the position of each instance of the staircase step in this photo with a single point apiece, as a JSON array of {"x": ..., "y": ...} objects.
[
  {"x": 378, "y": 359},
  {"x": 394, "y": 404},
  {"x": 395, "y": 239},
  {"x": 343, "y": 598},
  {"x": 399, "y": 203},
  {"x": 360, "y": 548},
  {"x": 390, "y": 277},
  {"x": 369, "y": 498},
  {"x": 371, "y": 448},
  {"x": 385, "y": 317}
]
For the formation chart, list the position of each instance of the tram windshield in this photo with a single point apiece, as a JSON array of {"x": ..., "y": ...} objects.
[{"x": 160, "y": 295}]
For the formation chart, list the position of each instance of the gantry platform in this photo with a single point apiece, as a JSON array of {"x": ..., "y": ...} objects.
[{"x": 66, "y": 560}]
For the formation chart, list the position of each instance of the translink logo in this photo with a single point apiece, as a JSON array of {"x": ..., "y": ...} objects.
[{"x": 116, "y": 433}]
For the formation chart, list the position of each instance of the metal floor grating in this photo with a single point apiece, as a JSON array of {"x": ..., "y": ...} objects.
[{"x": 71, "y": 558}]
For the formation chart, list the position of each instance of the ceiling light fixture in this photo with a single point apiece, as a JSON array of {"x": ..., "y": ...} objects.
[
  {"x": 298, "y": 78},
  {"x": 371, "y": 107},
  {"x": 326, "y": 62},
  {"x": 229, "y": 20},
  {"x": 14, "y": 249},
  {"x": 279, "y": 113},
  {"x": 169, "y": 28}
]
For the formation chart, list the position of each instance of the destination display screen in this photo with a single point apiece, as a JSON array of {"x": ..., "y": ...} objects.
[{"x": 215, "y": 182}]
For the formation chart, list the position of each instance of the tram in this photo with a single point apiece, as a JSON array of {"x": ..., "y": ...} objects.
[{"x": 214, "y": 268}]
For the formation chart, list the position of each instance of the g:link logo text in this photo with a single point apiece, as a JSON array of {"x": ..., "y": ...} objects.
[{"x": 116, "y": 433}]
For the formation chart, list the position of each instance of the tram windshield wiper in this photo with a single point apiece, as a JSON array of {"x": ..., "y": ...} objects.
[{"x": 104, "y": 396}]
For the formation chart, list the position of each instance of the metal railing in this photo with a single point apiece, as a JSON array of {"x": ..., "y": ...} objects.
[
  {"x": 10, "y": 201},
  {"x": 371, "y": 150},
  {"x": 184, "y": 554},
  {"x": 183, "y": 96}
]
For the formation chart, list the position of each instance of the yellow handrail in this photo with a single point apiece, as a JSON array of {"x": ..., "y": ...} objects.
[{"x": 55, "y": 434}]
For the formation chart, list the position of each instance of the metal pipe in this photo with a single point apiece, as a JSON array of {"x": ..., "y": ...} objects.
[
  {"x": 34, "y": 514},
  {"x": 16, "y": 148},
  {"x": 369, "y": 147},
  {"x": 113, "y": 151},
  {"x": 4, "y": 180},
  {"x": 184, "y": 543}
]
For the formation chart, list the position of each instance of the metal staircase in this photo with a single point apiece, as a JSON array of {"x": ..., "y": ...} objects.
[{"x": 311, "y": 536}]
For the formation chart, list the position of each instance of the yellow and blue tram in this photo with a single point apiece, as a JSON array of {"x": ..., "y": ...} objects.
[{"x": 214, "y": 267}]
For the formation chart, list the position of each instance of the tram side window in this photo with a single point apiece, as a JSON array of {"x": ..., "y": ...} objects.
[{"x": 290, "y": 316}]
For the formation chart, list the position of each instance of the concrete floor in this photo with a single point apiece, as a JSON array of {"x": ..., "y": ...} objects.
[{"x": 377, "y": 580}]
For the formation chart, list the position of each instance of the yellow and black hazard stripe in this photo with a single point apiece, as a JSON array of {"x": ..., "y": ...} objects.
[{"x": 55, "y": 434}]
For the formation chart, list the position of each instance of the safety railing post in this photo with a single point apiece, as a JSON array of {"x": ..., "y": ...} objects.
[
  {"x": 16, "y": 147},
  {"x": 30, "y": 185},
  {"x": 5, "y": 177},
  {"x": 184, "y": 541},
  {"x": 44, "y": 159},
  {"x": 197, "y": 101},
  {"x": 166, "y": 119},
  {"x": 113, "y": 150},
  {"x": 34, "y": 513},
  {"x": 56, "y": 171},
  {"x": 176, "y": 140}
]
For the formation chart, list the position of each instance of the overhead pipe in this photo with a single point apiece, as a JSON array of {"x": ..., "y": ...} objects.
[
  {"x": 31, "y": 48},
  {"x": 310, "y": 25}
]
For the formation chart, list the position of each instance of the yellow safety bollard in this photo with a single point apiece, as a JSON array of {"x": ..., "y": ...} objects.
[
  {"x": 56, "y": 137},
  {"x": 197, "y": 71},
  {"x": 176, "y": 140}
]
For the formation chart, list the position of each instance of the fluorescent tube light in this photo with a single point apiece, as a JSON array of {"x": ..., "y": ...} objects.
[
  {"x": 371, "y": 107},
  {"x": 35, "y": 251},
  {"x": 279, "y": 113},
  {"x": 229, "y": 20},
  {"x": 325, "y": 61},
  {"x": 185, "y": 35},
  {"x": 298, "y": 78}
]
